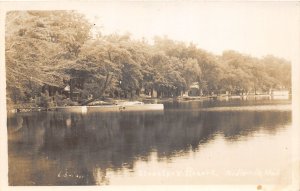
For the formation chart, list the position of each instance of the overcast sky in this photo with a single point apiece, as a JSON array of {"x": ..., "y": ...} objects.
[{"x": 252, "y": 28}]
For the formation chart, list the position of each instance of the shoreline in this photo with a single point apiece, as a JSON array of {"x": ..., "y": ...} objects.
[{"x": 155, "y": 101}]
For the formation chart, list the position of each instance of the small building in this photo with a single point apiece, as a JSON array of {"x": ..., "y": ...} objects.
[
  {"x": 148, "y": 92},
  {"x": 279, "y": 92},
  {"x": 75, "y": 93},
  {"x": 194, "y": 90},
  {"x": 51, "y": 89}
]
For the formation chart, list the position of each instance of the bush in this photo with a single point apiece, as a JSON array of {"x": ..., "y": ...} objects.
[
  {"x": 45, "y": 100},
  {"x": 59, "y": 99},
  {"x": 68, "y": 102}
]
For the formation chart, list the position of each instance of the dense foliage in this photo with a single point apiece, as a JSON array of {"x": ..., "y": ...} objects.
[{"x": 56, "y": 48}]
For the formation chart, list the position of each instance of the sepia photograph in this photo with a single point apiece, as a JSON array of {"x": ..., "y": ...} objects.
[{"x": 144, "y": 93}]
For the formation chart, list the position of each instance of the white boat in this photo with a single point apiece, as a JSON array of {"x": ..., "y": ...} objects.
[
  {"x": 127, "y": 106},
  {"x": 130, "y": 103},
  {"x": 280, "y": 94}
]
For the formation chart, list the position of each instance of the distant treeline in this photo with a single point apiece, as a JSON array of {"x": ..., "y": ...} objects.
[{"x": 57, "y": 48}]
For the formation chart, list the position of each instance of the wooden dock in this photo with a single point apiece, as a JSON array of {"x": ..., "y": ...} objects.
[{"x": 109, "y": 108}]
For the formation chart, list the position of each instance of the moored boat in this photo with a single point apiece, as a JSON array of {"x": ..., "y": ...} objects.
[{"x": 127, "y": 106}]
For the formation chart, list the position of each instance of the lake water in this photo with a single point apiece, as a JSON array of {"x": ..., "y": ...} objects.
[{"x": 195, "y": 143}]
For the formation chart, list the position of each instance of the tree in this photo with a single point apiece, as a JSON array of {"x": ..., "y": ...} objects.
[
  {"x": 131, "y": 77},
  {"x": 191, "y": 71},
  {"x": 38, "y": 43}
]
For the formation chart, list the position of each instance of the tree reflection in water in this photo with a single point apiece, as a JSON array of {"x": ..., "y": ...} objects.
[{"x": 75, "y": 149}]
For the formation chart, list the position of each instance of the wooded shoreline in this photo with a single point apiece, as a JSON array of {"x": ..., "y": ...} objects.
[{"x": 54, "y": 59}]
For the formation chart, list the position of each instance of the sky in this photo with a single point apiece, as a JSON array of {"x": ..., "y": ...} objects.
[{"x": 254, "y": 28}]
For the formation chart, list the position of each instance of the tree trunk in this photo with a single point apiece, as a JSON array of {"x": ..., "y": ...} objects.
[
  {"x": 107, "y": 81},
  {"x": 71, "y": 89}
]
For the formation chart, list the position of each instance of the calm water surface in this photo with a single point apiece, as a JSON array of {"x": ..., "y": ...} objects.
[{"x": 212, "y": 142}]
